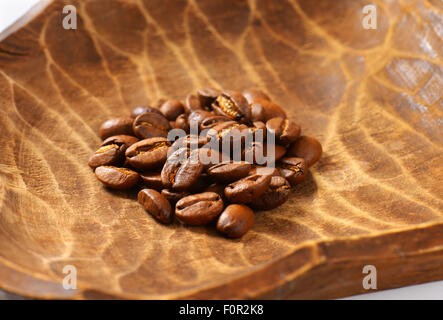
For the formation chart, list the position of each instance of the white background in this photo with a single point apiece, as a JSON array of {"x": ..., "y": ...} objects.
[{"x": 10, "y": 10}]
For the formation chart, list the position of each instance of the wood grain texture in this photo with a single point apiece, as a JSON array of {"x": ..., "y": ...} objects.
[{"x": 372, "y": 97}]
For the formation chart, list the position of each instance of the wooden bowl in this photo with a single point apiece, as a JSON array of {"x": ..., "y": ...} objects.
[{"x": 372, "y": 97}]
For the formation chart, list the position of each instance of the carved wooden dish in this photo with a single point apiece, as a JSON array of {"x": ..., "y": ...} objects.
[{"x": 372, "y": 97}]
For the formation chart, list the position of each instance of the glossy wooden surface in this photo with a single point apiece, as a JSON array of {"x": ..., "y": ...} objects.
[{"x": 372, "y": 97}]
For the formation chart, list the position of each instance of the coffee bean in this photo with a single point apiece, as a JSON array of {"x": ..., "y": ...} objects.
[
  {"x": 210, "y": 157},
  {"x": 207, "y": 96},
  {"x": 267, "y": 110},
  {"x": 152, "y": 180},
  {"x": 199, "y": 209},
  {"x": 112, "y": 151},
  {"x": 150, "y": 125},
  {"x": 227, "y": 172},
  {"x": 171, "y": 109},
  {"x": 293, "y": 169},
  {"x": 285, "y": 131},
  {"x": 263, "y": 154},
  {"x": 190, "y": 141},
  {"x": 192, "y": 103},
  {"x": 233, "y": 105},
  {"x": 253, "y": 94},
  {"x": 182, "y": 123},
  {"x": 140, "y": 110},
  {"x": 228, "y": 134},
  {"x": 235, "y": 220},
  {"x": 210, "y": 122},
  {"x": 276, "y": 194},
  {"x": 247, "y": 189},
  {"x": 117, "y": 126},
  {"x": 148, "y": 154},
  {"x": 181, "y": 170},
  {"x": 197, "y": 117},
  {"x": 116, "y": 178},
  {"x": 307, "y": 148},
  {"x": 173, "y": 196},
  {"x": 156, "y": 205}
]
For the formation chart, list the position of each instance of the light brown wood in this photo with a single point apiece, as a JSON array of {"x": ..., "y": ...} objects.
[{"x": 372, "y": 97}]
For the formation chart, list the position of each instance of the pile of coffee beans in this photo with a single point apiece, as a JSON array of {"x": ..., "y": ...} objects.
[{"x": 209, "y": 159}]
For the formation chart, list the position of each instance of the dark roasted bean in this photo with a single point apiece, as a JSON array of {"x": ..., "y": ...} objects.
[
  {"x": 182, "y": 123},
  {"x": 171, "y": 109},
  {"x": 285, "y": 131},
  {"x": 196, "y": 117},
  {"x": 116, "y": 178},
  {"x": 148, "y": 154},
  {"x": 263, "y": 170},
  {"x": 293, "y": 169},
  {"x": 199, "y": 209},
  {"x": 140, "y": 110},
  {"x": 151, "y": 125},
  {"x": 247, "y": 189},
  {"x": 307, "y": 148},
  {"x": 117, "y": 126},
  {"x": 232, "y": 105},
  {"x": 156, "y": 205},
  {"x": 181, "y": 170},
  {"x": 152, "y": 180},
  {"x": 263, "y": 154},
  {"x": 235, "y": 220},
  {"x": 192, "y": 103},
  {"x": 108, "y": 155},
  {"x": 267, "y": 110},
  {"x": 210, "y": 122},
  {"x": 276, "y": 194},
  {"x": 190, "y": 141},
  {"x": 207, "y": 96},
  {"x": 227, "y": 172},
  {"x": 253, "y": 94}
]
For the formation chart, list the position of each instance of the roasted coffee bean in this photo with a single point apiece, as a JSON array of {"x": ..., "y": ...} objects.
[
  {"x": 181, "y": 170},
  {"x": 190, "y": 141},
  {"x": 228, "y": 134},
  {"x": 276, "y": 194},
  {"x": 267, "y": 110},
  {"x": 235, "y": 220},
  {"x": 263, "y": 154},
  {"x": 257, "y": 132},
  {"x": 293, "y": 169},
  {"x": 121, "y": 140},
  {"x": 307, "y": 148},
  {"x": 117, "y": 126},
  {"x": 196, "y": 117},
  {"x": 233, "y": 105},
  {"x": 257, "y": 111},
  {"x": 285, "y": 131},
  {"x": 171, "y": 109},
  {"x": 247, "y": 189},
  {"x": 156, "y": 205},
  {"x": 212, "y": 121},
  {"x": 152, "y": 180},
  {"x": 151, "y": 125},
  {"x": 192, "y": 103},
  {"x": 252, "y": 94},
  {"x": 227, "y": 172},
  {"x": 182, "y": 123},
  {"x": 108, "y": 155},
  {"x": 148, "y": 154},
  {"x": 207, "y": 96},
  {"x": 116, "y": 178},
  {"x": 112, "y": 151},
  {"x": 199, "y": 209},
  {"x": 140, "y": 110},
  {"x": 173, "y": 196}
]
